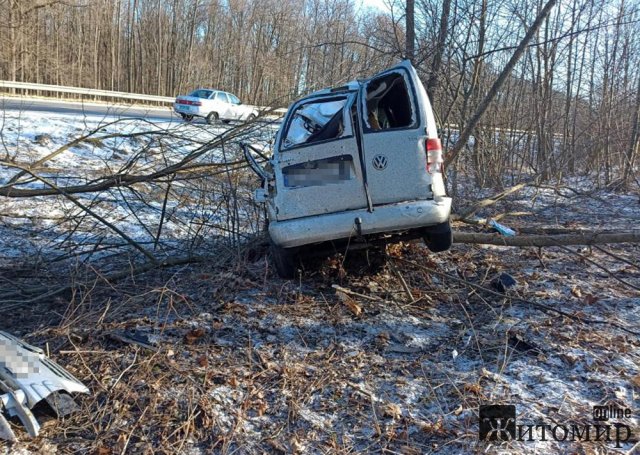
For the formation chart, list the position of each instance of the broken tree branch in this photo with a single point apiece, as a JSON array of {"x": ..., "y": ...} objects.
[
  {"x": 122, "y": 178},
  {"x": 95, "y": 215}
]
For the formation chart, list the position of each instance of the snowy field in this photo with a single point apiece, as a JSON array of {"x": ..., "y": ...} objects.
[
  {"x": 398, "y": 361},
  {"x": 106, "y": 147}
]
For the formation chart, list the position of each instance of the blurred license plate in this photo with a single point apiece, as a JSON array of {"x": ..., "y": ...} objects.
[{"x": 320, "y": 172}]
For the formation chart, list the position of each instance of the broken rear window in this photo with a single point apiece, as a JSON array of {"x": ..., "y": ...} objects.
[
  {"x": 316, "y": 121},
  {"x": 389, "y": 103}
]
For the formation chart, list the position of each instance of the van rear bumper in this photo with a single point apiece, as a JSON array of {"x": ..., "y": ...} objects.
[{"x": 341, "y": 225}]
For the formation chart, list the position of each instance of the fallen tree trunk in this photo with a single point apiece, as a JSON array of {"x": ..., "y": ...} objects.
[{"x": 577, "y": 238}]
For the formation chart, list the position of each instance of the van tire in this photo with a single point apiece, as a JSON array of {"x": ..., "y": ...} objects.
[
  {"x": 438, "y": 238},
  {"x": 285, "y": 261}
]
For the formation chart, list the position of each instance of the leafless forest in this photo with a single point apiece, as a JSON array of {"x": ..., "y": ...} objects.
[{"x": 132, "y": 251}]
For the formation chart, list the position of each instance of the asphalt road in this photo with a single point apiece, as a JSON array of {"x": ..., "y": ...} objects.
[{"x": 79, "y": 108}]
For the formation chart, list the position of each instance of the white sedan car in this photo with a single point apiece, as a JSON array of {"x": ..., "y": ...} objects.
[{"x": 213, "y": 105}]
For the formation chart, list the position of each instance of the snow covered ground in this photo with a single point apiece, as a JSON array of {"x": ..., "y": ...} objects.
[{"x": 110, "y": 146}]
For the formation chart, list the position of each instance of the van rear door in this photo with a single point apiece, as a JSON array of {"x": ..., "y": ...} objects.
[
  {"x": 317, "y": 164},
  {"x": 396, "y": 122}
]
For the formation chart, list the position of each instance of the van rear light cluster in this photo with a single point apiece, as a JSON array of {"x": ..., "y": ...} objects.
[{"x": 435, "y": 159}]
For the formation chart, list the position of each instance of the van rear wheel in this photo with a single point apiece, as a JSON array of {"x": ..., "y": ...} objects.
[
  {"x": 285, "y": 260},
  {"x": 438, "y": 238}
]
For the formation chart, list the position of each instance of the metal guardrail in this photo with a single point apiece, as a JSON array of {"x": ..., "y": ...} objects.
[
  {"x": 85, "y": 91},
  {"x": 90, "y": 92}
]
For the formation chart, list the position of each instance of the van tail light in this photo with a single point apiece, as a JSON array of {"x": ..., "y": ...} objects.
[{"x": 435, "y": 159}]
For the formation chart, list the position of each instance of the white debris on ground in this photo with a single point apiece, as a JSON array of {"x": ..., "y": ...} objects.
[{"x": 248, "y": 363}]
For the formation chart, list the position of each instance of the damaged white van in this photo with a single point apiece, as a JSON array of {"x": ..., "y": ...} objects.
[{"x": 359, "y": 164}]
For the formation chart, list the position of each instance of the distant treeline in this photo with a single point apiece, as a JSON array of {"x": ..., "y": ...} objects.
[{"x": 260, "y": 50}]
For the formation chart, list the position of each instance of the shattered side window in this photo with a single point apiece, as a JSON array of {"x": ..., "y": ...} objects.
[
  {"x": 388, "y": 103},
  {"x": 316, "y": 121}
]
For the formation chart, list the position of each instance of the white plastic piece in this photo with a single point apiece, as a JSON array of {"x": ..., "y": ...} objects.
[
  {"x": 27, "y": 368},
  {"x": 6, "y": 432},
  {"x": 13, "y": 402},
  {"x": 28, "y": 377}
]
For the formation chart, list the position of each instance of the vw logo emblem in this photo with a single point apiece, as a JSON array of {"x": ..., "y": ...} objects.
[{"x": 379, "y": 162}]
